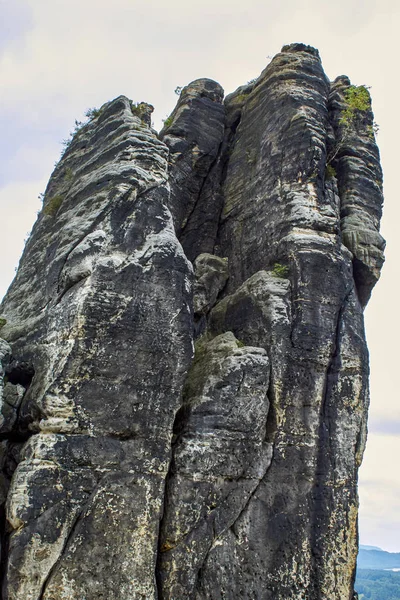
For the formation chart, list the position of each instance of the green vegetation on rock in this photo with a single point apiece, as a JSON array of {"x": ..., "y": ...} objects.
[
  {"x": 69, "y": 174},
  {"x": 92, "y": 113},
  {"x": 373, "y": 130},
  {"x": 2, "y": 322},
  {"x": 357, "y": 100},
  {"x": 53, "y": 205},
  {"x": 241, "y": 98},
  {"x": 67, "y": 142},
  {"x": 135, "y": 107},
  {"x": 168, "y": 121},
  {"x": 280, "y": 270},
  {"x": 330, "y": 172}
]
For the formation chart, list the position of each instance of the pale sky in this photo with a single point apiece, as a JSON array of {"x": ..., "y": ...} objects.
[{"x": 60, "y": 57}]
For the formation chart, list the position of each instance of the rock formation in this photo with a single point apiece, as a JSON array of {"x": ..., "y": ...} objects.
[{"x": 184, "y": 368}]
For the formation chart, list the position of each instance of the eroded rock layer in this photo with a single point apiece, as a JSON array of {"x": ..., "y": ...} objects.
[{"x": 184, "y": 372}]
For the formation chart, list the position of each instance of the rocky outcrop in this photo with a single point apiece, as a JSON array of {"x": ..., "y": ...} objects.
[
  {"x": 185, "y": 378},
  {"x": 359, "y": 175},
  {"x": 101, "y": 308},
  {"x": 194, "y": 134}
]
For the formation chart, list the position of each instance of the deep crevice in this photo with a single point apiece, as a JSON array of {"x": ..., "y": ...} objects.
[
  {"x": 16, "y": 437},
  {"x": 19, "y": 373},
  {"x": 217, "y": 172},
  {"x": 10, "y": 463},
  {"x": 3, "y": 551},
  {"x": 158, "y": 568},
  {"x": 326, "y": 455},
  {"x": 65, "y": 545},
  {"x": 16, "y": 373},
  {"x": 197, "y": 199}
]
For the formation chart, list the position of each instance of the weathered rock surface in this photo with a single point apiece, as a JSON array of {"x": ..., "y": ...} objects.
[
  {"x": 359, "y": 178},
  {"x": 101, "y": 309},
  {"x": 211, "y": 275},
  {"x": 194, "y": 133},
  {"x": 136, "y": 468},
  {"x": 220, "y": 456}
]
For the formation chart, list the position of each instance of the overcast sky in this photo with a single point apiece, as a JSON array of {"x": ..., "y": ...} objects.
[{"x": 60, "y": 57}]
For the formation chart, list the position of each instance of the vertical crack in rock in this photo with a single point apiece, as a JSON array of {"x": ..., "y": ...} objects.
[
  {"x": 197, "y": 134},
  {"x": 186, "y": 222},
  {"x": 54, "y": 566},
  {"x": 179, "y": 418},
  {"x": 131, "y": 469},
  {"x": 15, "y": 379},
  {"x": 326, "y": 459},
  {"x": 219, "y": 456}
]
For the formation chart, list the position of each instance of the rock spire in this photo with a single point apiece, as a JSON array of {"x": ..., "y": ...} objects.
[{"x": 184, "y": 372}]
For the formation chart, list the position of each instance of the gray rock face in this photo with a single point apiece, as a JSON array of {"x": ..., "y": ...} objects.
[
  {"x": 211, "y": 275},
  {"x": 220, "y": 456},
  {"x": 359, "y": 177},
  {"x": 135, "y": 467},
  {"x": 194, "y": 133},
  {"x": 106, "y": 327}
]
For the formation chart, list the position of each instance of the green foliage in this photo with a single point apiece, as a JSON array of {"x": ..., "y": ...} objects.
[
  {"x": 357, "y": 101},
  {"x": 357, "y": 97},
  {"x": 377, "y": 585},
  {"x": 168, "y": 121},
  {"x": 240, "y": 344},
  {"x": 66, "y": 143},
  {"x": 373, "y": 130},
  {"x": 92, "y": 113},
  {"x": 135, "y": 107},
  {"x": 2, "y": 322},
  {"x": 69, "y": 174},
  {"x": 53, "y": 205},
  {"x": 140, "y": 109},
  {"x": 330, "y": 172},
  {"x": 241, "y": 98},
  {"x": 280, "y": 270}
]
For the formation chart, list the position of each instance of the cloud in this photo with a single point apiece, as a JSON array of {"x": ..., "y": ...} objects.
[
  {"x": 15, "y": 21},
  {"x": 59, "y": 58},
  {"x": 386, "y": 427},
  {"x": 379, "y": 492},
  {"x": 18, "y": 206}
]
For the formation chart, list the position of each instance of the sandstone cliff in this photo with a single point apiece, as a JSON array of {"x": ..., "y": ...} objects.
[{"x": 184, "y": 368}]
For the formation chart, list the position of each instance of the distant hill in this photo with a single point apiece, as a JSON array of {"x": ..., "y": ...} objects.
[
  {"x": 370, "y": 548},
  {"x": 377, "y": 559},
  {"x": 374, "y": 579}
]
